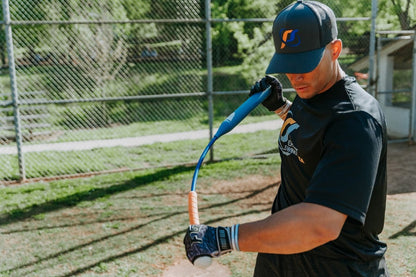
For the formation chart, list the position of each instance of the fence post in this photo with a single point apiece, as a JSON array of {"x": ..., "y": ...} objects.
[
  {"x": 413, "y": 105},
  {"x": 371, "y": 73},
  {"x": 13, "y": 84},
  {"x": 210, "y": 88}
]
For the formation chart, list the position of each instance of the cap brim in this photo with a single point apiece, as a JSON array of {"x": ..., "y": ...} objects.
[{"x": 295, "y": 62}]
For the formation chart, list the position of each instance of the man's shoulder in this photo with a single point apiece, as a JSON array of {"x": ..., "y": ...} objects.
[{"x": 359, "y": 100}]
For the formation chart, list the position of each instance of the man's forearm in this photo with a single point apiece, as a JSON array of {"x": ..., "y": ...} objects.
[{"x": 296, "y": 229}]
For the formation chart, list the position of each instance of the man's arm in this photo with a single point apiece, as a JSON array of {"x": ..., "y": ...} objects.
[{"x": 296, "y": 229}]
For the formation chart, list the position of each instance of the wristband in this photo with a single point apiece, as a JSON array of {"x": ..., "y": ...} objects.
[
  {"x": 234, "y": 237},
  {"x": 285, "y": 108}
]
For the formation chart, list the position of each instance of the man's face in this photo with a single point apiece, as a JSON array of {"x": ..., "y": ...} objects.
[{"x": 307, "y": 85}]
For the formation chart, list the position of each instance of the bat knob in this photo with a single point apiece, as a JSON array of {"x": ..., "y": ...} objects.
[{"x": 203, "y": 262}]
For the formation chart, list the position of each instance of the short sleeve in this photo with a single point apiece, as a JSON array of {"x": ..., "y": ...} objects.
[{"x": 345, "y": 175}]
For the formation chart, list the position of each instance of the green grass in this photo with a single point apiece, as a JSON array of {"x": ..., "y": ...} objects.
[
  {"x": 132, "y": 224},
  {"x": 115, "y": 224},
  {"x": 151, "y": 128}
]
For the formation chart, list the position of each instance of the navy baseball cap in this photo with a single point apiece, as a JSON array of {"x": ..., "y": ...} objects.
[{"x": 300, "y": 33}]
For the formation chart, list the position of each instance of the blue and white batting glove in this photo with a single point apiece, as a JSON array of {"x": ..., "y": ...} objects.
[{"x": 203, "y": 240}]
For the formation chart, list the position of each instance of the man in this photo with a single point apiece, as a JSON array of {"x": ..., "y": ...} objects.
[{"x": 330, "y": 205}]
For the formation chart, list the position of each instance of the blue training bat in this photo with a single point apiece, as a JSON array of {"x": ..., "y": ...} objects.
[{"x": 226, "y": 126}]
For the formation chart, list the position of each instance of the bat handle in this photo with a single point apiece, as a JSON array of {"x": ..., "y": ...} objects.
[
  {"x": 193, "y": 208},
  {"x": 203, "y": 261}
]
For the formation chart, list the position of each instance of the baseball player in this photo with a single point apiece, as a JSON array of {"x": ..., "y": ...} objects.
[{"x": 329, "y": 209}]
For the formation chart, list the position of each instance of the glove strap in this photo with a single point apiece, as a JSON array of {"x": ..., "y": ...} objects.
[
  {"x": 227, "y": 239},
  {"x": 224, "y": 239}
]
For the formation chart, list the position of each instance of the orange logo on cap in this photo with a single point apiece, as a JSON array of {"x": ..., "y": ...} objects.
[{"x": 289, "y": 38}]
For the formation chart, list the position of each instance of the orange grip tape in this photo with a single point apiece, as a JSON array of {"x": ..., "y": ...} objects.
[{"x": 193, "y": 208}]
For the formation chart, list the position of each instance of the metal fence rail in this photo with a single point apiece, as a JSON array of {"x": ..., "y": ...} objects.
[{"x": 94, "y": 72}]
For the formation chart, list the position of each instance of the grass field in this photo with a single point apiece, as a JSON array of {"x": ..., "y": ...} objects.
[{"x": 132, "y": 224}]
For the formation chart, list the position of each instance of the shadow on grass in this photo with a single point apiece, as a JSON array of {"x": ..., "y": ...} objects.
[
  {"x": 154, "y": 243},
  {"x": 90, "y": 195},
  {"x": 83, "y": 222},
  {"x": 409, "y": 230},
  {"x": 172, "y": 235}
]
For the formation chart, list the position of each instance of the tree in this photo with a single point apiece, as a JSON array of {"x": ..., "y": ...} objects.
[
  {"x": 235, "y": 40},
  {"x": 403, "y": 10}
]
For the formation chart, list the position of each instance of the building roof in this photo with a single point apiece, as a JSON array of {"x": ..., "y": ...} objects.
[{"x": 401, "y": 48}]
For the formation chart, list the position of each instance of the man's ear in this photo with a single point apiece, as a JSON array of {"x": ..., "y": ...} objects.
[{"x": 336, "y": 46}]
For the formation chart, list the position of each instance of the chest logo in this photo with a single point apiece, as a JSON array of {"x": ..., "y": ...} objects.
[{"x": 286, "y": 145}]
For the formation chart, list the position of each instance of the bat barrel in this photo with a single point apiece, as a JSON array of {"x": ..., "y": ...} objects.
[{"x": 241, "y": 112}]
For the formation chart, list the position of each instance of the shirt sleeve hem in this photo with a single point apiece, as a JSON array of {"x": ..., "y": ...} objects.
[{"x": 349, "y": 211}]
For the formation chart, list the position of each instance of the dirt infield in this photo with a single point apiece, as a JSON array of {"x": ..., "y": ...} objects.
[{"x": 401, "y": 170}]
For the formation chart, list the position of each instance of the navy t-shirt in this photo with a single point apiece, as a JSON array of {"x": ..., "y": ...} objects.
[{"x": 333, "y": 151}]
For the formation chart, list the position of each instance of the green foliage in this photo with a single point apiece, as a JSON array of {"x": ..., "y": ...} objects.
[
  {"x": 238, "y": 39},
  {"x": 402, "y": 80},
  {"x": 396, "y": 15},
  {"x": 134, "y": 13},
  {"x": 259, "y": 53}
]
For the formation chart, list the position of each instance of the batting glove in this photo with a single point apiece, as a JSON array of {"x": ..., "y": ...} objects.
[
  {"x": 276, "y": 99},
  {"x": 202, "y": 240}
]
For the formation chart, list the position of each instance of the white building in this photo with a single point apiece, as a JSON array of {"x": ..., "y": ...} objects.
[{"x": 395, "y": 55}]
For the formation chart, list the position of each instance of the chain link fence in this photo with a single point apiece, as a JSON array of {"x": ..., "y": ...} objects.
[
  {"x": 83, "y": 80},
  {"x": 396, "y": 86}
]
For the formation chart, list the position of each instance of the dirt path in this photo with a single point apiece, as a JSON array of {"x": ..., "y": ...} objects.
[
  {"x": 136, "y": 141},
  {"x": 185, "y": 269},
  {"x": 401, "y": 170}
]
